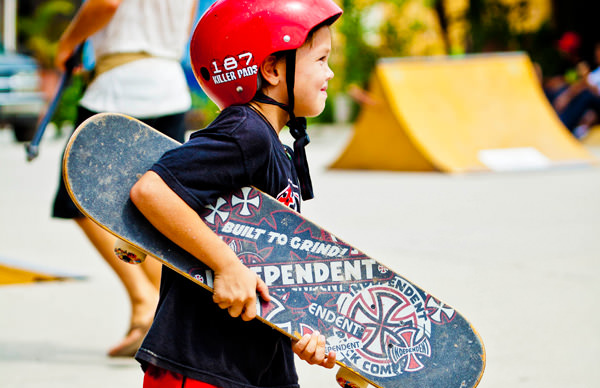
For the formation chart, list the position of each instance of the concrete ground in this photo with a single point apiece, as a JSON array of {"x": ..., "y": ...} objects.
[{"x": 517, "y": 253}]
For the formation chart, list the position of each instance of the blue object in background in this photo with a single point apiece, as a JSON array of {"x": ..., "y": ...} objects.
[{"x": 185, "y": 62}]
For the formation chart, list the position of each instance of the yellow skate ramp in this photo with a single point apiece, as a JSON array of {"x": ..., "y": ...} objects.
[
  {"x": 472, "y": 113},
  {"x": 593, "y": 138},
  {"x": 13, "y": 272}
]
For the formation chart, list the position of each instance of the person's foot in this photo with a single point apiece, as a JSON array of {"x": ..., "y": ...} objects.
[
  {"x": 132, "y": 341},
  {"x": 142, "y": 315}
]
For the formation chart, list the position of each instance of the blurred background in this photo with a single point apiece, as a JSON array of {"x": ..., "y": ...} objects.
[
  {"x": 370, "y": 30},
  {"x": 420, "y": 85}
]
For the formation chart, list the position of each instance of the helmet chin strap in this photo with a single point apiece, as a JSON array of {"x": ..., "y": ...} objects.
[{"x": 297, "y": 127}]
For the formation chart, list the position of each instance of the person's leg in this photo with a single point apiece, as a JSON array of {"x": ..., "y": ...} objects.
[
  {"x": 152, "y": 268},
  {"x": 141, "y": 288},
  {"x": 573, "y": 113},
  {"x": 142, "y": 292}
]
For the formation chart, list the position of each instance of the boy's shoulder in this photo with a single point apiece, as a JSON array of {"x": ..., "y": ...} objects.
[
  {"x": 241, "y": 125},
  {"x": 236, "y": 119}
]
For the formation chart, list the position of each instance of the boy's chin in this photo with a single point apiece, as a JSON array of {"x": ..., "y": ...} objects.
[{"x": 314, "y": 112}]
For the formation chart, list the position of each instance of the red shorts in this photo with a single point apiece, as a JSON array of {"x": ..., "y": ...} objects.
[{"x": 156, "y": 377}]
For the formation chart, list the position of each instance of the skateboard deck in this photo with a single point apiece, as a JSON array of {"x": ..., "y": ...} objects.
[{"x": 382, "y": 327}]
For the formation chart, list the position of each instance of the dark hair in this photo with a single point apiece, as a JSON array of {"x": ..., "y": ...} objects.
[
  {"x": 309, "y": 38},
  {"x": 327, "y": 22}
]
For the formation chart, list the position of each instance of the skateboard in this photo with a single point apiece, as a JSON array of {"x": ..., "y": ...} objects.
[{"x": 385, "y": 330}]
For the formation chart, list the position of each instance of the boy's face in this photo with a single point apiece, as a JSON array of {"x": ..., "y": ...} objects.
[{"x": 312, "y": 74}]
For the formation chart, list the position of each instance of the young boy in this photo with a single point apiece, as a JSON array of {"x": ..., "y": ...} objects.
[{"x": 264, "y": 62}]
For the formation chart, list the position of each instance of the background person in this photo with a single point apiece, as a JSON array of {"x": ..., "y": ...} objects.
[{"x": 137, "y": 45}]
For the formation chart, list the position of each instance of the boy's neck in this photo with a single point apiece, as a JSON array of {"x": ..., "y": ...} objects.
[{"x": 276, "y": 116}]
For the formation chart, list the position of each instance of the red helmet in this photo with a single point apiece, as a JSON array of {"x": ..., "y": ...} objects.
[{"x": 234, "y": 37}]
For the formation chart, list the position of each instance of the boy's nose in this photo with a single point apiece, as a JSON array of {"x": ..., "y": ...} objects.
[{"x": 330, "y": 73}]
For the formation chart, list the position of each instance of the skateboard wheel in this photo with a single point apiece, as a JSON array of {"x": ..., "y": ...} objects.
[
  {"x": 128, "y": 253},
  {"x": 348, "y": 379}
]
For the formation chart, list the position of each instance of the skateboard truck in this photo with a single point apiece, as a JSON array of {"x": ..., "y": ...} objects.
[
  {"x": 348, "y": 379},
  {"x": 128, "y": 253}
]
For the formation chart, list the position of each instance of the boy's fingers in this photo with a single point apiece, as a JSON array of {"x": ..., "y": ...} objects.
[
  {"x": 299, "y": 346},
  {"x": 249, "y": 311},
  {"x": 263, "y": 290},
  {"x": 220, "y": 301},
  {"x": 235, "y": 310},
  {"x": 329, "y": 362},
  {"x": 311, "y": 348},
  {"x": 301, "y": 343},
  {"x": 319, "y": 349},
  {"x": 306, "y": 347}
]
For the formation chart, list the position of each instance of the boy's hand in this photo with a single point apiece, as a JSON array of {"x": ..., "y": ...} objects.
[
  {"x": 311, "y": 348},
  {"x": 236, "y": 290}
]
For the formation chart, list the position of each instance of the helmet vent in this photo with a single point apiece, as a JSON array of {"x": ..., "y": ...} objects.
[{"x": 205, "y": 74}]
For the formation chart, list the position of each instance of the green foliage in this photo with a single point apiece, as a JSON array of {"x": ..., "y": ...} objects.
[
  {"x": 541, "y": 48},
  {"x": 327, "y": 116},
  {"x": 66, "y": 111},
  {"x": 41, "y": 31},
  {"x": 491, "y": 28},
  {"x": 202, "y": 113},
  {"x": 395, "y": 42},
  {"x": 358, "y": 57}
]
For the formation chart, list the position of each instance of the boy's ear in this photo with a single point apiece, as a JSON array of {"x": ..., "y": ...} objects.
[{"x": 271, "y": 70}]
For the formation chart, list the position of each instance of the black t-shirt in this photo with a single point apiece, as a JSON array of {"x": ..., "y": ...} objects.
[{"x": 191, "y": 335}]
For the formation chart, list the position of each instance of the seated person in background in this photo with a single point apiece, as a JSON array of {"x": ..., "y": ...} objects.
[{"x": 575, "y": 99}]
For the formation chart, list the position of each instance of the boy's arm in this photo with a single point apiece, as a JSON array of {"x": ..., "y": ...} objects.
[{"x": 235, "y": 285}]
